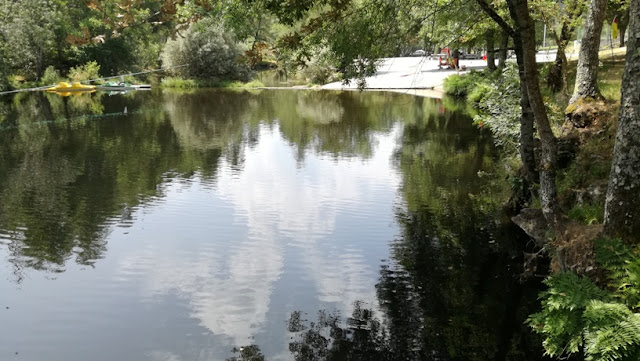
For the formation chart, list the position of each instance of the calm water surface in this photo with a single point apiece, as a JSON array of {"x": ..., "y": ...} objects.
[{"x": 288, "y": 225}]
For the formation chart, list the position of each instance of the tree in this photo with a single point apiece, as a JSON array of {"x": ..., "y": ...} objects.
[
  {"x": 561, "y": 18},
  {"x": 207, "y": 51},
  {"x": 519, "y": 10},
  {"x": 619, "y": 9},
  {"x": 622, "y": 208},
  {"x": 587, "y": 71}
]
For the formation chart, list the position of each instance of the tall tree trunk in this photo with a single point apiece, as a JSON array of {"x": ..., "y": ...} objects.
[
  {"x": 502, "y": 52},
  {"x": 491, "y": 56},
  {"x": 622, "y": 29},
  {"x": 527, "y": 119},
  {"x": 548, "y": 194},
  {"x": 587, "y": 71},
  {"x": 527, "y": 154},
  {"x": 622, "y": 208},
  {"x": 557, "y": 77}
]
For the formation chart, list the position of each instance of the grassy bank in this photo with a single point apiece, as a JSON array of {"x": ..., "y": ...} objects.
[
  {"x": 585, "y": 157},
  {"x": 181, "y": 83}
]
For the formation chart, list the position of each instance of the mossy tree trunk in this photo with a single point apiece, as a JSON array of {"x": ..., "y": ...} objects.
[
  {"x": 622, "y": 208},
  {"x": 587, "y": 70}
]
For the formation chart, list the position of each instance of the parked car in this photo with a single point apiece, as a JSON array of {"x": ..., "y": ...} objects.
[
  {"x": 419, "y": 52},
  {"x": 470, "y": 56}
]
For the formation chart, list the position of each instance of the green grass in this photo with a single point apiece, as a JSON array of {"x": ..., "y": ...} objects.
[
  {"x": 240, "y": 85},
  {"x": 181, "y": 83},
  {"x": 587, "y": 213},
  {"x": 609, "y": 74}
]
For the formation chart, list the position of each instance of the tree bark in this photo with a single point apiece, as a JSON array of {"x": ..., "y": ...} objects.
[
  {"x": 519, "y": 10},
  {"x": 623, "y": 29},
  {"x": 527, "y": 154},
  {"x": 587, "y": 70},
  {"x": 502, "y": 53},
  {"x": 622, "y": 208},
  {"x": 491, "y": 61},
  {"x": 557, "y": 77}
]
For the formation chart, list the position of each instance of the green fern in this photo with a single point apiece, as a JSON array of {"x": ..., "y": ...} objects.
[
  {"x": 578, "y": 316},
  {"x": 623, "y": 267},
  {"x": 561, "y": 320},
  {"x": 615, "y": 335}
]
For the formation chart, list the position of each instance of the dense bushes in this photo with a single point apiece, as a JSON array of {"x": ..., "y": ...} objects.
[
  {"x": 88, "y": 71},
  {"x": 498, "y": 102},
  {"x": 461, "y": 85},
  {"x": 207, "y": 51},
  {"x": 496, "y": 96}
]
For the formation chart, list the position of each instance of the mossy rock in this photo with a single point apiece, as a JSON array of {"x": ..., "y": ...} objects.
[{"x": 585, "y": 112}]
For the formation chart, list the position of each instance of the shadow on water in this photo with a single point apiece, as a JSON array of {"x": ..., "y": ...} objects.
[{"x": 450, "y": 289}]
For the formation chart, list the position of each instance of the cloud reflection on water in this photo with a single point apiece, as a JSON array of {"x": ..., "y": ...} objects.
[{"x": 279, "y": 207}]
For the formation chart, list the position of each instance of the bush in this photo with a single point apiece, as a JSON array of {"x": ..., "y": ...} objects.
[
  {"x": 479, "y": 93},
  {"x": 461, "y": 85},
  {"x": 88, "y": 71},
  {"x": 208, "y": 52},
  {"x": 499, "y": 106},
  {"x": 51, "y": 76},
  {"x": 320, "y": 69},
  {"x": 176, "y": 82}
]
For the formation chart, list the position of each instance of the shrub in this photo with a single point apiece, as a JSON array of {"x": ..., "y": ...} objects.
[
  {"x": 479, "y": 92},
  {"x": 176, "y": 82},
  {"x": 207, "y": 52},
  {"x": 462, "y": 85},
  {"x": 320, "y": 69},
  {"x": 51, "y": 76},
  {"x": 499, "y": 106},
  {"x": 88, "y": 71}
]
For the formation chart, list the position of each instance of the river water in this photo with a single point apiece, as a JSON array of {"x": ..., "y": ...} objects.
[{"x": 270, "y": 225}]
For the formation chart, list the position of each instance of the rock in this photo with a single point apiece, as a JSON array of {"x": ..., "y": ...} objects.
[
  {"x": 585, "y": 112},
  {"x": 532, "y": 222}
]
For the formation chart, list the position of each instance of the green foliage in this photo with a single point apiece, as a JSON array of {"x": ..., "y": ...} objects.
[
  {"x": 623, "y": 265},
  {"x": 587, "y": 213},
  {"x": 320, "y": 69},
  {"x": 51, "y": 76},
  {"x": 207, "y": 51},
  {"x": 479, "y": 93},
  {"x": 240, "y": 85},
  {"x": 461, "y": 85},
  {"x": 578, "y": 316},
  {"x": 177, "y": 82},
  {"x": 88, "y": 71},
  {"x": 498, "y": 102},
  {"x": 561, "y": 320}
]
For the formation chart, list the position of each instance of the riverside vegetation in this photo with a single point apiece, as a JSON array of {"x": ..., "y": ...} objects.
[
  {"x": 592, "y": 310},
  {"x": 560, "y": 140}
]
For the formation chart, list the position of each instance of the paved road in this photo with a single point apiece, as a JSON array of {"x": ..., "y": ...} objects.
[{"x": 420, "y": 73}]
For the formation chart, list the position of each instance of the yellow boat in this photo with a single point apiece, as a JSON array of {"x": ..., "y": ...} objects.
[{"x": 74, "y": 87}]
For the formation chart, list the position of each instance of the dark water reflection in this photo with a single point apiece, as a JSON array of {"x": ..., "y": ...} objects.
[{"x": 177, "y": 226}]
